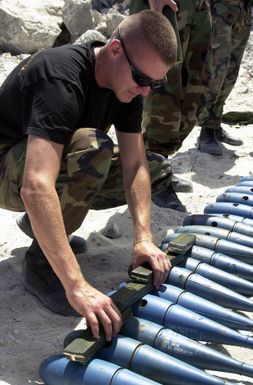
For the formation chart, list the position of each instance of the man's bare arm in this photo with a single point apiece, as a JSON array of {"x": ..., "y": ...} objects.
[
  {"x": 138, "y": 195},
  {"x": 39, "y": 195}
]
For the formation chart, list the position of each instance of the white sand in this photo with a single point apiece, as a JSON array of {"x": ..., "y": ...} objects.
[{"x": 29, "y": 333}]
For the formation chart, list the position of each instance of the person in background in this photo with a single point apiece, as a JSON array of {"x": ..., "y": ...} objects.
[
  {"x": 171, "y": 112},
  {"x": 231, "y": 22}
]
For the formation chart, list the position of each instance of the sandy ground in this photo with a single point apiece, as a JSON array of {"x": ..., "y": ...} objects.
[{"x": 29, "y": 333}]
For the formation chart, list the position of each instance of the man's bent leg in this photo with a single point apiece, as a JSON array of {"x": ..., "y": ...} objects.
[
  {"x": 112, "y": 193},
  {"x": 11, "y": 176},
  {"x": 83, "y": 172},
  {"x": 85, "y": 166}
]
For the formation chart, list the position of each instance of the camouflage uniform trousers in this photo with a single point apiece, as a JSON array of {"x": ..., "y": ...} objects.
[
  {"x": 170, "y": 112},
  {"x": 231, "y": 21},
  {"x": 90, "y": 176}
]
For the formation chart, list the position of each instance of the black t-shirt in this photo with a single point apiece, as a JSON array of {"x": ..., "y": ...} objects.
[{"x": 54, "y": 92}]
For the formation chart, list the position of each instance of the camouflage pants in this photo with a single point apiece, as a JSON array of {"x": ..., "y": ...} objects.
[
  {"x": 171, "y": 112},
  {"x": 231, "y": 20},
  {"x": 90, "y": 176}
]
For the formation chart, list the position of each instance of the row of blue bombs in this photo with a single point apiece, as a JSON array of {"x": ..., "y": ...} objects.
[{"x": 159, "y": 344}]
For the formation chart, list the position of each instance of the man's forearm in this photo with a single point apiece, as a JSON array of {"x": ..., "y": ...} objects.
[
  {"x": 144, "y": 250},
  {"x": 138, "y": 195},
  {"x": 44, "y": 211}
]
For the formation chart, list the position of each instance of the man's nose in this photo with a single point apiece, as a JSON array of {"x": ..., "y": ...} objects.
[{"x": 144, "y": 91}]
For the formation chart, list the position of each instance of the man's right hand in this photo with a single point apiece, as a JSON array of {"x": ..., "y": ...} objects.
[{"x": 96, "y": 308}]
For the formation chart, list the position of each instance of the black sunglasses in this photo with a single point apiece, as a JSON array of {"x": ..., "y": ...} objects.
[{"x": 139, "y": 77}]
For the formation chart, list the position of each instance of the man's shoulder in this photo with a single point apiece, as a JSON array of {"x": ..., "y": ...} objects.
[
  {"x": 67, "y": 50},
  {"x": 79, "y": 53},
  {"x": 67, "y": 62}
]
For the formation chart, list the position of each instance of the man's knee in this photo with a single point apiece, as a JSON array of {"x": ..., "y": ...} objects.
[
  {"x": 89, "y": 152},
  {"x": 89, "y": 138},
  {"x": 11, "y": 176}
]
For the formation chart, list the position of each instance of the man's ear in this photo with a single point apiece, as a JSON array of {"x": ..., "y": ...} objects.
[{"x": 114, "y": 47}]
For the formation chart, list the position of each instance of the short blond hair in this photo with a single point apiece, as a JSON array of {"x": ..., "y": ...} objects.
[{"x": 156, "y": 29}]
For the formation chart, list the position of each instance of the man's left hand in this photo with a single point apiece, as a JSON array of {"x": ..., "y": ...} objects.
[{"x": 147, "y": 251}]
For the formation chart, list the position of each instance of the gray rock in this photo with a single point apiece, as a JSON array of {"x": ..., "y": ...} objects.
[
  {"x": 8, "y": 63},
  {"x": 28, "y": 25},
  {"x": 181, "y": 164},
  {"x": 78, "y": 17},
  {"x": 113, "y": 18},
  {"x": 105, "y": 5},
  {"x": 90, "y": 35},
  {"x": 99, "y": 18},
  {"x": 112, "y": 231},
  {"x": 99, "y": 4}
]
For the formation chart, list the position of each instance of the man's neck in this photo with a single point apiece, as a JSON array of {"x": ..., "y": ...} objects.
[{"x": 101, "y": 67}]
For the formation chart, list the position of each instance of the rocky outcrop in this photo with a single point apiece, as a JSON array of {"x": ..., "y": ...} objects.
[
  {"x": 77, "y": 16},
  {"x": 27, "y": 25}
]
